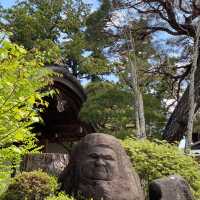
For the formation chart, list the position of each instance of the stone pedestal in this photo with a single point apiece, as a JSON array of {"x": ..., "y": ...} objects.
[{"x": 52, "y": 163}]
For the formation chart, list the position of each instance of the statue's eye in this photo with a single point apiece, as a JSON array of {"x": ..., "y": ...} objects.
[
  {"x": 108, "y": 157},
  {"x": 93, "y": 155}
]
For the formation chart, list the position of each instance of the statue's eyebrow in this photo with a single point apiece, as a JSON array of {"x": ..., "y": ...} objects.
[
  {"x": 93, "y": 153},
  {"x": 107, "y": 156}
]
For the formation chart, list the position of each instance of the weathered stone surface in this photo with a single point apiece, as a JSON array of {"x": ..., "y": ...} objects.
[
  {"x": 170, "y": 188},
  {"x": 52, "y": 163},
  {"x": 99, "y": 168}
]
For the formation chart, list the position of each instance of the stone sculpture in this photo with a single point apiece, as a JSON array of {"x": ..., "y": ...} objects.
[
  {"x": 170, "y": 188},
  {"x": 100, "y": 169}
]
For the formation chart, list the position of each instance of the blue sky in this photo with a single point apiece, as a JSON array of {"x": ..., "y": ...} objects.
[{"x": 7, "y": 3}]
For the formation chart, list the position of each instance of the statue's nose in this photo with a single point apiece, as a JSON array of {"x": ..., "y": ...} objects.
[{"x": 99, "y": 162}]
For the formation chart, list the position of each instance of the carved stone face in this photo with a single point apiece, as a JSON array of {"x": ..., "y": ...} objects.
[
  {"x": 100, "y": 164},
  {"x": 100, "y": 169}
]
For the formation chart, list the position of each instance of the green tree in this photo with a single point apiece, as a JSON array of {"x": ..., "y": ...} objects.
[
  {"x": 109, "y": 109},
  {"x": 21, "y": 77},
  {"x": 98, "y": 39},
  {"x": 85, "y": 49},
  {"x": 87, "y": 43},
  {"x": 65, "y": 30},
  {"x": 32, "y": 21},
  {"x": 55, "y": 27},
  {"x": 112, "y": 45}
]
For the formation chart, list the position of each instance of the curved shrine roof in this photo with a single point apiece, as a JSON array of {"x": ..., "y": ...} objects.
[{"x": 61, "y": 117}]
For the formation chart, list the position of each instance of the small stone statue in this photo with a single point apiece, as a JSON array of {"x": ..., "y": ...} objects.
[
  {"x": 170, "y": 188},
  {"x": 100, "y": 169}
]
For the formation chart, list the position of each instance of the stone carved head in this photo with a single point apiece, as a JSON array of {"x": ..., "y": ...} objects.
[{"x": 99, "y": 168}]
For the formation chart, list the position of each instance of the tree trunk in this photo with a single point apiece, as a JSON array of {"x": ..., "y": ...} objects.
[
  {"x": 138, "y": 100},
  {"x": 177, "y": 123},
  {"x": 142, "y": 117},
  {"x": 192, "y": 104},
  {"x": 52, "y": 163}
]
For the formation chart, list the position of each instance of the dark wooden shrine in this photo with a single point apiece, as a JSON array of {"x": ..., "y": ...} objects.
[
  {"x": 61, "y": 118},
  {"x": 61, "y": 126}
]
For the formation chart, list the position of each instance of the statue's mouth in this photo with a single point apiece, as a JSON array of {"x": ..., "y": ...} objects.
[{"x": 100, "y": 173}]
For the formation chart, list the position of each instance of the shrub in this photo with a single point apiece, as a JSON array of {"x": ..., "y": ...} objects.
[
  {"x": 34, "y": 185},
  {"x": 61, "y": 196},
  {"x": 154, "y": 160}
]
